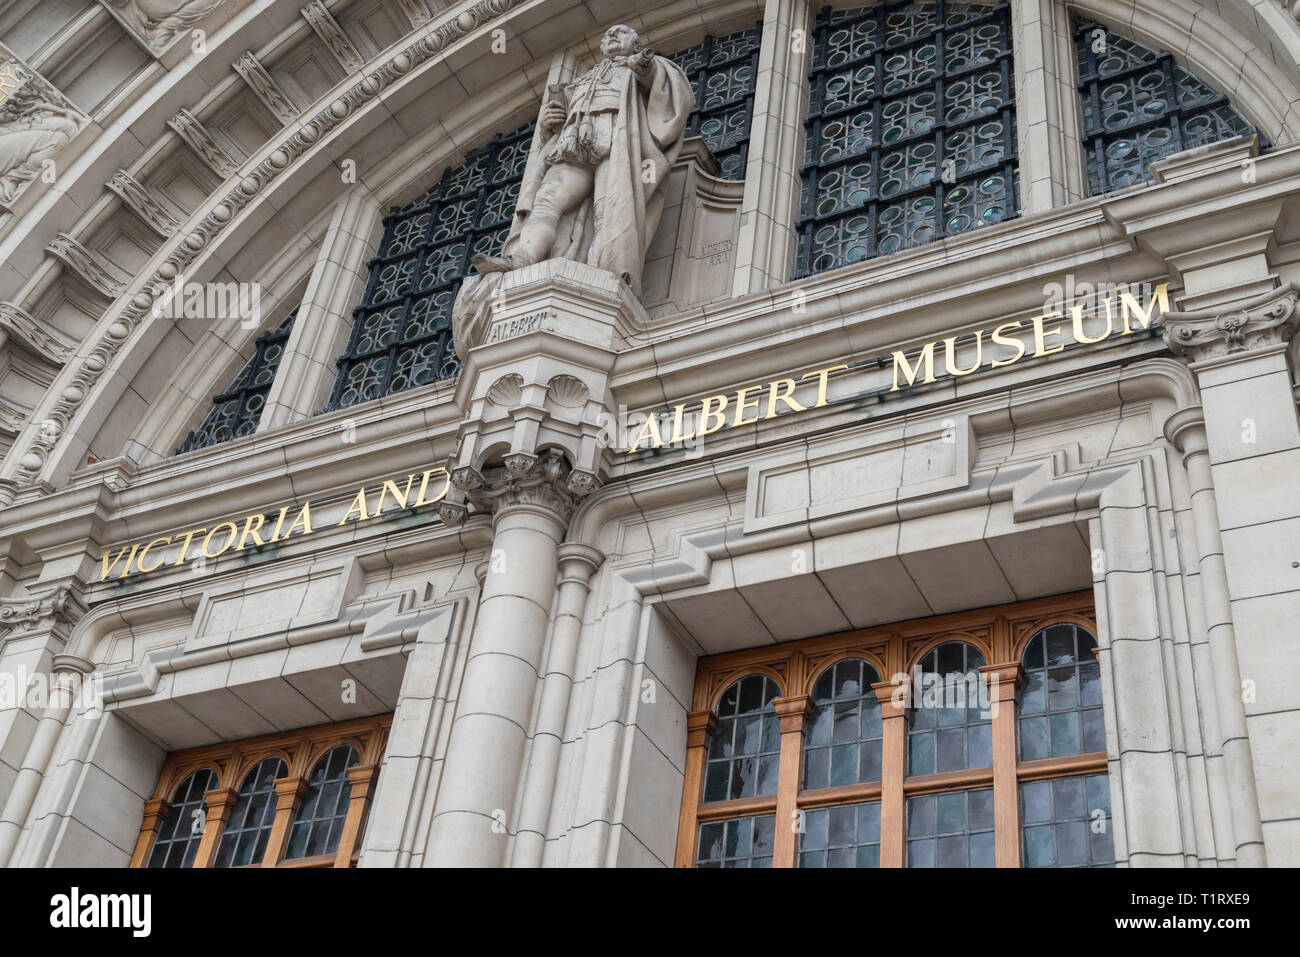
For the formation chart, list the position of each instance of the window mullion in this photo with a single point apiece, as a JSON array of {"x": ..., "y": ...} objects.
[
  {"x": 893, "y": 768},
  {"x": 1003, "y": 681},
  {"x": 793, "y": 713},
  {"x": 220, "y": 802},
  {"x": 288, "y": 795}
]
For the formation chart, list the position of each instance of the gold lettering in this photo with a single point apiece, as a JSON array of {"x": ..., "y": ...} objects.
[
  {"x": 648, "y": 431},
  {"x": 185, "y": 546},
  {"x": 717, "y": 415},
  {"x": 251, "y": 529},
  {"x": 678, "y": 412},
  {"x": 424, "y": 483},
  {"x": 1132, "y": 309},
  {"x": 358, "y": 506},
  {"x": 910, "y": 373},
  {"x": 950, "y": 357},
  {"x": 782, "y": 390},
  {"x": 399, "y": 498},
  {"x": 824, "y": 376},
  {"x": 106, "y": 566},
  {"x": 144, "y": 554},
  {"x": 1077, "y": 312},
  {"x": 742, "y": 405},
  {"x": 1001, "y": 340},
  {"x": 234, "y": 533},
  {"x": 303, "y": 519},
  {"x": 279, "y": 521},
  {"x": 1040, "y": 337}
]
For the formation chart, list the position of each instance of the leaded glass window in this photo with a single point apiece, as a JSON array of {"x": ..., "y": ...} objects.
[
  {"x": 949, "y": 722},
  {"x": 842, "y": 744},
  {"x": 951, "y": 830},
  {"x": 237, "y": 410},
  {"x": 1060, "y": 701},
  {"x": 745, "y": 747},
  {"x": 1140, "y": 106},
  {"x": 740, "y": 842},
  {"x": 722, "y": 71},
  {"x": 1066, "y": 822},
  {"x": 249, "y": 828},
  {"x": 182, "y": 828},
  {"x": 843, "y": 836},
  {"x": 910, "y": 132},
  {"x": 319, "y": 824},
  {"x": 401, "y": 334}
]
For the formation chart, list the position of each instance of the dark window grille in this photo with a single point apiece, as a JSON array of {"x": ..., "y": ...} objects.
[
  {"x": 401, "y": 333},
  {"x": 237, "y": 410},
  {"x": 319, "y": 825},
  {"x": 723, "y": 71},
  {"x": 244, "y": 839},
  {"x": 1140, "y": 106},
  {"x": 910, "y": 132},
  {"x": 182, "y": 829}
]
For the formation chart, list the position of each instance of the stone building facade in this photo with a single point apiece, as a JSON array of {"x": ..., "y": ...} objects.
[{"x": 964, "y": 348}]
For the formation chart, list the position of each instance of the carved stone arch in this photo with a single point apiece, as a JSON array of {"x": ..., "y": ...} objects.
[
  {"x": 1233, "y": 58},
  {"x": 434, "y": 93}
]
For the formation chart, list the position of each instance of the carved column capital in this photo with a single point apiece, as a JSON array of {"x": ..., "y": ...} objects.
[
  {"x": 543, "y": 481},
  {"x": 57, "y": 611},
  {"x": 1204, "y": 334}
]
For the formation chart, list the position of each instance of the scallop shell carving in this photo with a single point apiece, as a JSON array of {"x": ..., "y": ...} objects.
[
  {"x": 507, "y": 390},
  {"x": 567, "y": 391}
]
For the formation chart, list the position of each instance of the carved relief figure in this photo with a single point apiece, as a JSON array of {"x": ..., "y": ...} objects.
[
  {"x": 593, "y": 191},
  {"x": 35, "y": 123},
  {"x": 159, "y": 21}
]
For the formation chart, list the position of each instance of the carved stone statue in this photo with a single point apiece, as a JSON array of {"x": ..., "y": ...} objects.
[
  {"x": 36, "y": 121},
  {"x": 593, "y": 188},
  {"x": 158, "y": 22}
]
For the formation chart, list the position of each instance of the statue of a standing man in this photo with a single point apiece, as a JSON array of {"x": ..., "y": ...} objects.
[{"x": 593, "y": 190}]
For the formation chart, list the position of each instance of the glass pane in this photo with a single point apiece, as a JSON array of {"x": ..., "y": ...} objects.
[
  {"x": 1066, "y": 822},
  {"x": 744, "y": 761}
]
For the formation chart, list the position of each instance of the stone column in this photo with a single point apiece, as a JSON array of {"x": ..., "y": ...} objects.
[
  {"x": 320, "y": 331},
  {"x": 1186, "y": 430},
  {"x": 69, "y": 673},
  {"x": 766, "y": 244},
  {"x": 531, "y": 508},
  {"x": 1047, "y": 109},
  {"x": 1251, "y": 462},
  {"x": 578, "y": 563}
]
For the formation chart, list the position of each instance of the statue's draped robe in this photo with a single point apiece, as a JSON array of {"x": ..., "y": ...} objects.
[{"x": 634, "y": 197}]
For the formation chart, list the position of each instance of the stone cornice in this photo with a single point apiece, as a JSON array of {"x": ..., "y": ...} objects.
[
  {"x": 1203, "y": 334},
  {"x": 43, "y": 339}
]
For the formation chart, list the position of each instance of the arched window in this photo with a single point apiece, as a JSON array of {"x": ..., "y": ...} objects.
[
  {"x": 255, "y": 818},
  {"x": 842, "y": 744},
  {"x": 182, "y": 828},
  {"x": 901, "y": 772},
  {"x": 1139, "y": 106},
  {"x": 401, "y": 334},
  {"x": 723, "y": 71},
  {"x": 948, "y": 723},
  {"x": 743, "y": 756},
  {"x": 249, "y": 827},
  {"x": 1060, "y": 701},
  {"x": 746, "y": 744},
  {"x": 910, "y": 134},
  {"x": 319, "y": 823},
  {"x": 237, "y": 410}
]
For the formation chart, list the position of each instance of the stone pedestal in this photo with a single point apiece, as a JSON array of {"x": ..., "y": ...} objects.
[{"x": 535, "y": 443}]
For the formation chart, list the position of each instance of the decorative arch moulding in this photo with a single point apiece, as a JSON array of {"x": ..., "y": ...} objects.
[{"x": 250, "y": 180}]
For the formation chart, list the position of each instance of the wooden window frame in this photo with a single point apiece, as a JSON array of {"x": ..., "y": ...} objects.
[
  {"x": 1001, "y": 632},
  {"x": 300, "y": 751}
]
